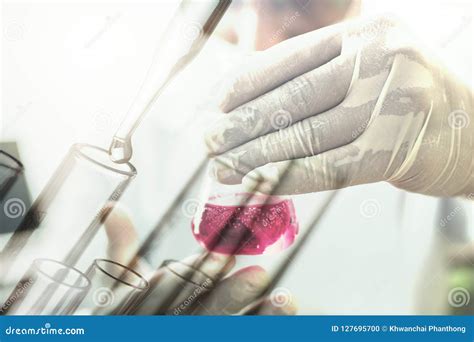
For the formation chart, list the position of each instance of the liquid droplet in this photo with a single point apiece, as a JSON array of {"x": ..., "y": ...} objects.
[{"x": 120, "y": 150}]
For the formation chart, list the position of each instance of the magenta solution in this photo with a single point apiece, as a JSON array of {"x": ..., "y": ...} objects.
[{"x": 246, "y": 224}]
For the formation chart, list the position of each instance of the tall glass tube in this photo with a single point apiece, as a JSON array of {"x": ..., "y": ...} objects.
[
  {"x": 48, "y": 288},
  {"x": 69, "y": 210},
  {"x": 115, "y": 289}
]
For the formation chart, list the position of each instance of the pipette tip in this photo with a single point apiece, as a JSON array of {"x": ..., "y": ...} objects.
[{"x": 120, "y": 150}]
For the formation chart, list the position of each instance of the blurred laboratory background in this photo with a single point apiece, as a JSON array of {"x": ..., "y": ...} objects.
[{"x": 72, "y": 68}]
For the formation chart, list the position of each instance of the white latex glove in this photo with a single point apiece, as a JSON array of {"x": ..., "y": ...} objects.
[{"x": 349, "y": 104}]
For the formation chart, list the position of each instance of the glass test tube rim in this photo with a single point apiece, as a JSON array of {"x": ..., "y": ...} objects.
[
  {"x": 142, "y": 280},
  {"x": 167, "y": 262},
  {"x": 80, "y": 149},
  {"x": 19, "y": 165},
  {"x": 37, "y": 267}
]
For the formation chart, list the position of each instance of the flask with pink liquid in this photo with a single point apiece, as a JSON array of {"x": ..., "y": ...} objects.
[{"x": 234, "y": 221}]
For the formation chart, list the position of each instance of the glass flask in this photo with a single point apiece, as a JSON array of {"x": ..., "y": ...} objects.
[
  {"x": 234, "y": 220},
  {"x": 49, "y": 287},
  {"x": 172, "y": 238},
  {"x": 68, "y": 212}
]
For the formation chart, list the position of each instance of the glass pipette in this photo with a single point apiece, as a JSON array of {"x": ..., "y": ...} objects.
[{"x": 186, "y": 34}]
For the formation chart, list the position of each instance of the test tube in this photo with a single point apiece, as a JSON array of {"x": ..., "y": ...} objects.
[
  {"x": 69, "y": 210},
  {"x": 115, "y": 288},
  {"x": 175, "y": 289},
  {"x": 10, "y": 168},
  {"x": 49, "y": 287}
]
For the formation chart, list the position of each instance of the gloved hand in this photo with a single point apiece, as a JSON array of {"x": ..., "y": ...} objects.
[
  {"x": 238, "y": 292},
  {"x": 349, "y": 104},
  {"x": 231, "y": 295}
]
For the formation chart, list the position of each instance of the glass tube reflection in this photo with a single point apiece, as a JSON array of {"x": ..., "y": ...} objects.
[
  {"x": 175, "y": 288},
  {"x": 115, "y": 289},
  {"x": 49, "y": 287}
]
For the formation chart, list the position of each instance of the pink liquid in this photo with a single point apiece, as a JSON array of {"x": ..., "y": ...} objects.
[{"x": 260, "y": 225}]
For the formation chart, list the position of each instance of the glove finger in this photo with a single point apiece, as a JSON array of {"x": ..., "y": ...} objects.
[
  {"x": 215, "y": 265},
  {"x": 304, "y": 96},
  {"x": 336, "y": 127},
  {"x": 235, "y": 292},
  {"x": 277, "y": 65},
  {"x": 339, "y": 168},
  {"x": 122, "y": 237}
]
